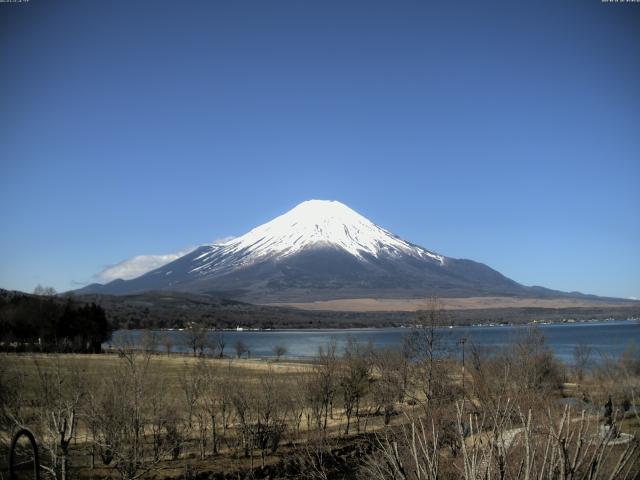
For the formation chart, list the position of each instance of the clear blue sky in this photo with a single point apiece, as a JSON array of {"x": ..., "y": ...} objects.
[{"x": 508, "y": 132}]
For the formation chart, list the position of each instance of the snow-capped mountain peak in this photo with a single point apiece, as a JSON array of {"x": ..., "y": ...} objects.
[
  {"x": 319, "y": 250},
  {"x": 311, "y": 224}
]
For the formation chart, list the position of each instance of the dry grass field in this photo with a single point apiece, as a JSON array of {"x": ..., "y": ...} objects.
[
  {"x": 352, "y": 415},
  {"x": 471, "y": 303},
  {"x": 172, "y": 380},
  {"x": 170, "y": 367}
]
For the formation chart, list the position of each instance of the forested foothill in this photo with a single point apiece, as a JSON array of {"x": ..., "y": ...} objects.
[
  {"x": 45, "y": 322},
  {"x": 162, "y": 309},
  {"x": 158, "y": 310}
]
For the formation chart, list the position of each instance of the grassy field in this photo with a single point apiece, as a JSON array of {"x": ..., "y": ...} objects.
[
  {"x": 276, "y": 394},
  {"x": 470, "y": 303},
  {"x": 171, "y": 368},
  {"x": 171, "y": 371}
]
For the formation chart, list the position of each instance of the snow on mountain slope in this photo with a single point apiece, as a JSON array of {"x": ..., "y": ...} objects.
[{"x": 310, "y": 224}]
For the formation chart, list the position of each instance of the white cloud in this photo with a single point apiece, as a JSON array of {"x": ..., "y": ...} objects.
[
  {"x": 221, "y": 240},
  {"x": 136, "y": 266},
  {"x": 141, "y": 264}
]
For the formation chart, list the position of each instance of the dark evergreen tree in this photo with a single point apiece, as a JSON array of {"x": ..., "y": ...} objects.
[{"x": 29, "y": 322}]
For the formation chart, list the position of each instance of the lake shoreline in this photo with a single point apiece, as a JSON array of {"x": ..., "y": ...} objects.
[
  {"x": 407, "y": 327},
  {"x": 607, "y": 338}
]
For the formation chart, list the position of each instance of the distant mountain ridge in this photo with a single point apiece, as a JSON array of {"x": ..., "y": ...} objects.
[{"x": 322, "y": 250}]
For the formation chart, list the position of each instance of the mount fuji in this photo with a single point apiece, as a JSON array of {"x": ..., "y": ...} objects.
[{"x": 321, "y": 250}]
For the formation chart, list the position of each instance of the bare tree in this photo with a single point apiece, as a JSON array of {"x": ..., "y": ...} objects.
[
  {"x": 149, "y": 341},
  {"x": 241, "y": 395},
  {"x": 324, "y": 383},
  {"x": 14, "y": 411},
  {"x": 195, "y": 338},
  {"x": 240, "y": 347},
  {"x": 618, "y": 378},
  {"x": 535, "y": 375},
  {"x": 629, "y": 374},
  {"x": 271, "y": 404},
  {"x": 316, "y": 456},
  {"x": 202, "y": 399},
  {"x": 164, "y": 422},
  {"x": 120, "y": 414},
  {"x": 191, "y": 384},
  {"x": 424, "y": 347},
  {"x": 299, "y": 399},
  {"x": 167, "y": 342},
  {"x": 353, "y": 377},
  {"x": 60, "y": 392},
  {"x": 508, "y": 444},
  {"x": 279, "y": 350},
  {"x": 261, "y": 411},
  {"x": 44, "y": 291},
  {"x": 388, "y": 386},
  {"x": 581, "y": 358},
  {"x": 214, "y": 403},
  {"x": 219, "y": 341},
  {"x": 411, "y": 454}
]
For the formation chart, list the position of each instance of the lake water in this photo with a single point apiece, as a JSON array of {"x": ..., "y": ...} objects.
[{"x": 606, "y": 338}]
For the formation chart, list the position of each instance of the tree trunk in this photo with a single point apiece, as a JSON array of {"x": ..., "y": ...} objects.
[
  {"x": 346, "y": 430},
  {"x": 63, "y": 466},
  {"x": 214, "y": 434}
]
